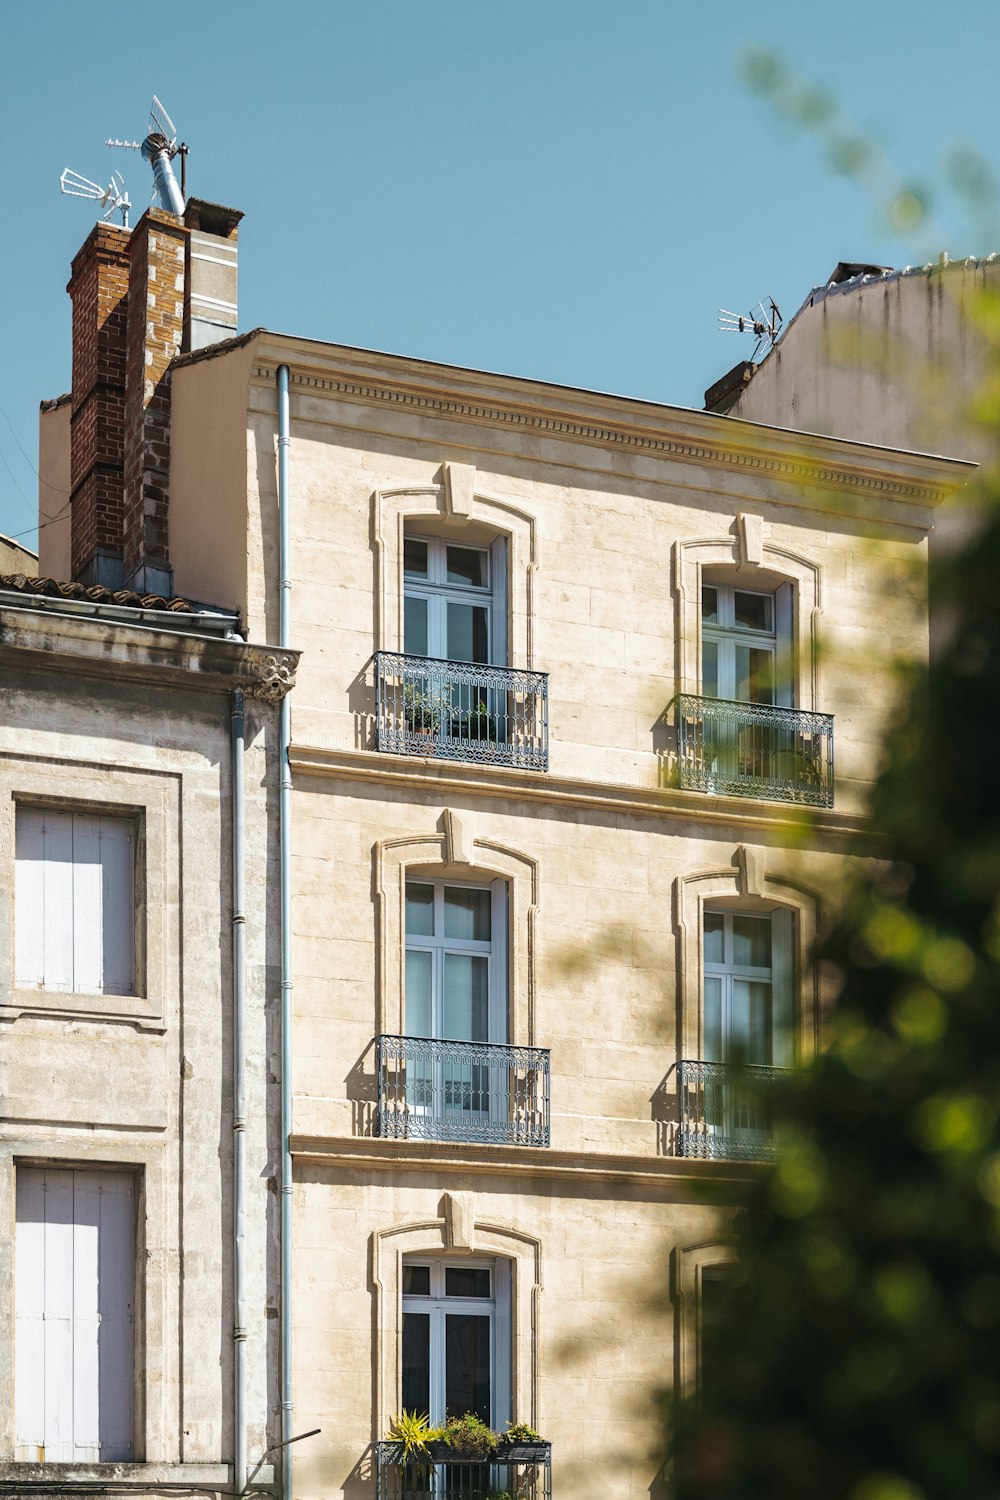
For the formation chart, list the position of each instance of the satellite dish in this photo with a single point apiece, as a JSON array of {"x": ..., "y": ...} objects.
[{"x": 113, "y": 198}]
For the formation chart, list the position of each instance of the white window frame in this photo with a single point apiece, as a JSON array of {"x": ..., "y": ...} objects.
[
  {"x": 439, "y": 592},
  {"x": 727, "y": 635},
  {"x": 495, "y": 950},
  {"x": 75, "y": 1280},
  {"x": 437, "y": 1306},
  {"x": 60, "y": 918},
  {"x": 779, "y": 976}
]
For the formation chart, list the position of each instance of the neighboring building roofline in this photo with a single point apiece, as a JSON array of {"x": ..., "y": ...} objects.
[
  {"x": 116, "y": 604},
  {"x": 56, "y": 402},
  {"x": 9, "y": 541}
]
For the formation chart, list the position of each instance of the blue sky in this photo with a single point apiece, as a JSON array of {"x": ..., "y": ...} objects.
[{"x": 566, "y": 189}]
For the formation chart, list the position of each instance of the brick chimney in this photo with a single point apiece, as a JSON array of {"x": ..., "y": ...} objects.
[
  {"x": 155, "y": 328},
  {"x": 98, "y": 288},
  {"x": 138, "y": 299}
]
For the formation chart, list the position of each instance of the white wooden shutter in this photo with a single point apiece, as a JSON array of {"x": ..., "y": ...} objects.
[
  {"x": 74, "y": 1274},
  {"x": 74, "y": 894},
  {"x": 502, "y": 1345},
  {"x": 783, "y": 969},
  {"x": 784, "y": 686},
  {"x": 499, "y": 996},
  {"x": 498, "y": 574}
]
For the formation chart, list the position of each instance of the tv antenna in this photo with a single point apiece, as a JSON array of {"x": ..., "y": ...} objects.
[
  {"x": 763, "y": 322},
  {"x": 113, "y": 198},
  {"x": 159, "y": 148}
]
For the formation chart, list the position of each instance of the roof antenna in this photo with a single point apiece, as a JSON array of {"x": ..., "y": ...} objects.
[
  {"x": 159, "y": 149},
  {"x": 763, "y": 322},
  {"x": 113, "y": 198}
]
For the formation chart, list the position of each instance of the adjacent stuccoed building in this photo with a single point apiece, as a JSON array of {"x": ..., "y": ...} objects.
[{"x": 591, "y": 692}]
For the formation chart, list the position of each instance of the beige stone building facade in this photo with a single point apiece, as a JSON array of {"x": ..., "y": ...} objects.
[
  {"x": 589, "y": 695},
  {"x": 520, "y": 876}
]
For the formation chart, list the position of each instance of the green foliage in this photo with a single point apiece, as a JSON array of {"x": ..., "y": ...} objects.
[
  {"x": 471, "y": 1437},
  {"x": 858, "y": 1358},
  {"x": 520, "y": 1432},
  {"x": 421, "y": 710},
  {"x": 414, "y": 1430}
]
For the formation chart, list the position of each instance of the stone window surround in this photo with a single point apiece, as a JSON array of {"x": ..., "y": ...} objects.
[
  {"x": 459, "y": 854},
  {"x": 455, "y": 509},
  {"x": 146, "y": 1161},
  {"x": 747, "y": 886},
  {"x": 744, "y": 557},
  {"x": 687, "y": 1262},
  {"x": 457, "y": 1231},
  {"x": 147, "y": 797}
]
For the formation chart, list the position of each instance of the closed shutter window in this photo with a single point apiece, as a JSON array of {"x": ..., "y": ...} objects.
[
  {"x": 74, "y": 902},
  {"x": 74, "y": 1274}
]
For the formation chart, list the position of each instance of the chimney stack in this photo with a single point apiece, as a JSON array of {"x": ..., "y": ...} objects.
[
  {"x": 138, "y": 298},
  {"x": 210, "y": 287},
  {"x": 98, "y": 288},
  {"x": 155, "y": 326}
]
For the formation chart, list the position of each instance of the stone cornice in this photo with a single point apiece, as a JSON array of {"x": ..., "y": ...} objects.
[
  {"x": 662, "y": 1175},
  {"x": 439, "y": 778},
  {"x": 610, "y": 422},
  {"x": 49, "y": 641}
]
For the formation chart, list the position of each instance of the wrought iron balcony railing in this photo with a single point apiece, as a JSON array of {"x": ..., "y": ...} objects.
[
  {"x": 754, "y": 750},
  {"x": 724, "y": 1110},
  {"x": 524, "y": 1472},
  {"x": 459, "y": 710},
  {"x": 462, "y": 1091}
]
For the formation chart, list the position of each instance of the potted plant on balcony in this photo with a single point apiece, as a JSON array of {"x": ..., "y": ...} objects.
[
  {"x": 413, "y": 1431},
  {"x": 521, "y": 1444},
  {"x": 470, "y": 1438},
  {"x": 422, "y": 713}
]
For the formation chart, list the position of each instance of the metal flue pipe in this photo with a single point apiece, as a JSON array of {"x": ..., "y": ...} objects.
[{"x": 156, "y": 150}]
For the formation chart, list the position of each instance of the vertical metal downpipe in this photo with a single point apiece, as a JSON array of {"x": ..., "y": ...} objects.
[
  {"x": 285, "y": 816},
  {"x": 238, "y": 744}
]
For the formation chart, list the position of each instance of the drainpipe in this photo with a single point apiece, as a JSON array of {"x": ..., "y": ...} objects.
[
  {"x": 238, "y": 734},
  {"x": 285, "y": 815}
]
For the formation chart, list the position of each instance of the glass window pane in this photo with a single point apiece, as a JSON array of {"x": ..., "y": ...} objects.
[
  {"x": 468, "y": 565},
  {"x": 467, "y": 913},
  {"x": 419, "y": 1010},
  {"x": 414, "y": 558},
  {"x": 466, "y": 1281},
  {"x": 419, "y": 909},
  {"x": 715, "y": 952},
  {"x": 467, "y": 1365},
  {"x": 713, "y": 1020},
  {"x": 753, "y": 611},
  {"x": 754, "y": 675},
  {"x": 751, "y": 942},
  {"x": 750, "y": 1039},
  {"x": 416, "y": 1281},
  {"x": 416, "y": 1362},
  {"x": 709, "y": 603},
  {"x": 415, "y": 626},
  {"x": 468, "y": 632},
  {"x": 710, "y": 669},
  {"x": 465, "y": 1008}
]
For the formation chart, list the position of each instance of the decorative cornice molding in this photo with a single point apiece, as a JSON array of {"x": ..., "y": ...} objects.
[
  {"x": 661, "y": 1174},
  {"x": 732, "y": 451},
  {"x": 439, "y": 778}
]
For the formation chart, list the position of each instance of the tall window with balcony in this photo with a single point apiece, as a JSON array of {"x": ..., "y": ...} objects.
[
  {"x": 743, "y": 735},
  {"x": 453, "y": 1075},
  {"x": 747, "y": 1026},
  {"x": 450, "y": 692}
]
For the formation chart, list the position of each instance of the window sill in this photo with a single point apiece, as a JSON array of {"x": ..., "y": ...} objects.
[
  {"x": 137, "y": 1010},
  {"x": 142, "y": 1476}
]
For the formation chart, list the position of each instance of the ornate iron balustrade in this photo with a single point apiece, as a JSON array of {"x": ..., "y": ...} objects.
[
  {"x": 754, "y": 750},
  {"x": 460, "y": 710},
  {"x": 462, "y": 1091},
  {"x": 522, "y": 1472},
  {"x": 724, "y": 1110}
]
